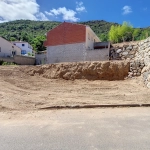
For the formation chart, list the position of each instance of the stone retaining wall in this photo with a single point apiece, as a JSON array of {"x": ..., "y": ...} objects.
[
  {"x": 136, "y": 67},
  {"x": 138, "y": 54},
  {"x": 143, "y": 55},
  {"x": 127, "y": 51},
  {"x": 123, "y": 52}
]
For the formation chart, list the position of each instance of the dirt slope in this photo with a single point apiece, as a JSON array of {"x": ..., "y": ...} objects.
[{"x": 115, "y": 70}]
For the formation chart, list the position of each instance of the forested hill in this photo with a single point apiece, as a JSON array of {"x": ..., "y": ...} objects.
[
  {"x": 34, "y": 31},
  {"x": 27, "y": 30}
]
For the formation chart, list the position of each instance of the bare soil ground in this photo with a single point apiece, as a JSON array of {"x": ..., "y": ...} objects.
[{"x": 19, "y": 91}]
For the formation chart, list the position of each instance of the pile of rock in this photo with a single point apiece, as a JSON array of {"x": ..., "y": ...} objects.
[
  {"x": 146, "y": 75},
  {"x": 143, "y": 54},
  {"x": 138, "y": 54},
  {"x": 136, "y": 67},
  {"x": 128, "y": 52},
  {"x": 123, "y": 52}
]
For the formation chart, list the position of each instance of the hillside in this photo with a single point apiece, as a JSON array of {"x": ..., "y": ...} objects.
[
  {"x": 21, "y": 29},
  {"x": 25, "y": 28},
  {"x": 34, "y": 31}
]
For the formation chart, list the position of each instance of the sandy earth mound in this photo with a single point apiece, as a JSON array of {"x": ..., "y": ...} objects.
[{"x": 115, "y": 70}]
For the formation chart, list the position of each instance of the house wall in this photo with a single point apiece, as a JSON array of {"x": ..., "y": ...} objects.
[
  {"x": 66, "y": 33},
  {"x": 70, "y": 42},
  {"x": 41, "y": 58},
  {"x": 91, "y": 37},
  {"x": 6, "y": 48},
  {"x": 27, "y": 47},
  {"x": 10, "y": 60},
  {"x": 24, "y": 60},
  {"x": 20, "y": 60},
  {"x": 97, "y": 55},
  {"x": 66, "y": 53},
  {"x": 75, "y": 53}
]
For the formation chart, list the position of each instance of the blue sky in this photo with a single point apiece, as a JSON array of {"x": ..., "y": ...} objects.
[{"x": 136, "y": 12}]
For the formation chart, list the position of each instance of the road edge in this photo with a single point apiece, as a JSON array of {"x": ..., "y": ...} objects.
[{"x": 95, "y": 106}]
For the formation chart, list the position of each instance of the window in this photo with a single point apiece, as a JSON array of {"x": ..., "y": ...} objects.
[
  {"x": 23, "y": 44},
  {"x": 23, "y": 52},
  {"x": 13, "y": 53},
  {"x": 0, "y": 49}
]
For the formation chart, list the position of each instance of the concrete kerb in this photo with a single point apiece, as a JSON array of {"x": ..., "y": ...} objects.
[{"x": 95, "y": 106}]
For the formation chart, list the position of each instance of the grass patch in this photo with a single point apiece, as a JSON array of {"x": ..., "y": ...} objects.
[{"x": 3, "y": 63}]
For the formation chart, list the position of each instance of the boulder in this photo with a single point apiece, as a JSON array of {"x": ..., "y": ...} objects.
[
  {"x": 147, "y": 61},
  {"x": 132, "y": 52},
  {"x": 129, "y": 48},
  {"x": 145, "y": 41},
  {"x": 135, "y": 47},
  {"x": 119, "y": 51},
  {"x": 148, "y": 78},
  {"x": 138, "y": 74},
  {"x": 125, "y": 53},
  {"x": 148, "y": 85},
  {"x": 145, "y": 75}
]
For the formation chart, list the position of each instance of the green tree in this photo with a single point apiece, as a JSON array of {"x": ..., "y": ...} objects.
[
  {"x": 37, "y": 43},
  {"x": 29, "y": 54},
  {"x": 145, "y": 34},
  {"x": 135, "y": 34},
  {"x": 113, "y": 34},
  {"x": 12, "y": 39},
  {"x": 103, "y": 37},
  {"x": 126, "y": 31},
  {"x": 121, "y": 33}
]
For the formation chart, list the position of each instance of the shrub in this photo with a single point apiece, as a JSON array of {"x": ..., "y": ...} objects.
[{"x": 3, "y": 63}]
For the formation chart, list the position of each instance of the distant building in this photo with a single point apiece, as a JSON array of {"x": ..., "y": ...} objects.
[
  {"x": 26, "y": 48},
  {"x": 70, "y": 42},
  {"x": 8, "y": 49}
]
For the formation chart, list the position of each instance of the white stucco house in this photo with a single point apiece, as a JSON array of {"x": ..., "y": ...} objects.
[
  {"x": 8, "y": 49},
  {"x": 26, "y": 48},
  {"x": 71, "y": 42}
]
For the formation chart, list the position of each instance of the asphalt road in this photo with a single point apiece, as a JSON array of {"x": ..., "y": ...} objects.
[{"x": 90, "y": 129}]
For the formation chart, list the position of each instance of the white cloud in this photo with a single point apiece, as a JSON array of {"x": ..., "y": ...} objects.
[
  {"x": 80, "y": 7},
  {"x": 67, "y": 14},
  {"x": 127, "y": 10},
  {"x": 41, "y": 16},
  {"x": 20, "y": 9}
]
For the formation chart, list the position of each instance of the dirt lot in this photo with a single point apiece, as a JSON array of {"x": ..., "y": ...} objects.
[{"x": 20, "y": 91}]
